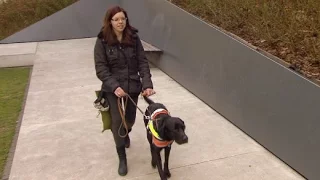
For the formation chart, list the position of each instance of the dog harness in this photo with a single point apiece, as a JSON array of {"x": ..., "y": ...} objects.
[{"x": 156, "y": 139}]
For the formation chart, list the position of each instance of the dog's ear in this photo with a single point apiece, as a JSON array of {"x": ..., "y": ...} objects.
[
  {"x": 170, "y": 123},
  {"x": 183, "y": 125},
  {"x": 179, "y": 124},
  {"x": 161, "y": 128}
]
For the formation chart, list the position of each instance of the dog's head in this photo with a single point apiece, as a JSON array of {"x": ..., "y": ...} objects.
[{"x": 175, "y": 130}]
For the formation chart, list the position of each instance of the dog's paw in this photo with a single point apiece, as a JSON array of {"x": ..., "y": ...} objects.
[
  {"x": 153, "y": 164},
  {"x": 164, "y": 177},
  {"x": 168, "y": 174}
]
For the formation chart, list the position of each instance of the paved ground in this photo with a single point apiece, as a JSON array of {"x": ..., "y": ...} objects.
[{"x": 60, "y": 136}]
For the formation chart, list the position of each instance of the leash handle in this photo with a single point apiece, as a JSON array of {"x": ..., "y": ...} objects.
[{"x": 122, "y": 109}]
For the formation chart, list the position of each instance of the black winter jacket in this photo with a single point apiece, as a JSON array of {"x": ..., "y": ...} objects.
[{"x": 122, "y": 66}]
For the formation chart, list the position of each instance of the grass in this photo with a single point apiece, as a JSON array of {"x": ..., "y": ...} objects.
[
  {"x": 13, "y": 83},
  {"x": 16, "y": 15},
  {"x": 287, "y": 29}
]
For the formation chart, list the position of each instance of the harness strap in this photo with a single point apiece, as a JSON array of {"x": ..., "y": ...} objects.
[
  {"x": 152, "y": 118},
  {"x": 153, "y": 131},
  {"x": 159, "y": 143},
  {"x": 156, "y": 139}
]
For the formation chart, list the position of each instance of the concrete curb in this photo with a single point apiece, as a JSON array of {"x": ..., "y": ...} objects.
[
  {"x": 17, "y": 54},
  {"x": 24, "y": 54}
]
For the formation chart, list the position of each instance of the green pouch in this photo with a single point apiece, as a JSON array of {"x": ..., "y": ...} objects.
[{"x": 103, "y": 107}]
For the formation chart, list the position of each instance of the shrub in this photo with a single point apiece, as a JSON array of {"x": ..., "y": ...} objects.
[
  {"x": 287, "y": 29},
  {"x": 16, "y": 15}
]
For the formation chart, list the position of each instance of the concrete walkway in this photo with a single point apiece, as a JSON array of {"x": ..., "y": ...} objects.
[{"x": 60, "y": 137}]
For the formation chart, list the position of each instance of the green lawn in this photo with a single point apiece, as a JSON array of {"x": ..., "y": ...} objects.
[{"x": 13, "y": 82}]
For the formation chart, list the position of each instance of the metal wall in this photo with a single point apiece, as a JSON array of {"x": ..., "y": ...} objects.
[
  {"x": 272, "y": 104},
  {"x": 79, "y": 20}
]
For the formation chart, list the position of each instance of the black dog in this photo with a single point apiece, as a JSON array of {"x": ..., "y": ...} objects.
[{"x": 162, "y": 131}]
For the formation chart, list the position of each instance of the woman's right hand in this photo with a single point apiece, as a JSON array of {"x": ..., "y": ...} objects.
[{"x": 119, "y": 92}]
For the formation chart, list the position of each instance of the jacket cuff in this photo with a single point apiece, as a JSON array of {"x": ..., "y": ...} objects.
[{"x": 147, "y": 85}]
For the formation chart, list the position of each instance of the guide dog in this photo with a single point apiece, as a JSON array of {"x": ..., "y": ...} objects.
[{"x": 162, "y": 131}]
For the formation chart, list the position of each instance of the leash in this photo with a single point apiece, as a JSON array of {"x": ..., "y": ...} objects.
[
  {"x": 147, "y": 117},
  {"x": 157, "y": 141},
  {"x": 122, "y": 113},
  {"x": 122, "y": 108}
]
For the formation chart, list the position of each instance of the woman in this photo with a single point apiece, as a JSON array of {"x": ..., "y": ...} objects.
[{"x": 120, "y": 63}]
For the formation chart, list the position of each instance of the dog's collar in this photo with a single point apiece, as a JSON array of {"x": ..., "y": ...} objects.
[{"x": 157, "y": 112}]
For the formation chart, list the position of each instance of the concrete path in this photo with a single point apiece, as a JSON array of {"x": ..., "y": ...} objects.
[{"x": 60, "y": 137}]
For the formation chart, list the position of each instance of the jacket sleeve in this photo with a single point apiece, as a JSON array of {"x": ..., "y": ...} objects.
[
  {"x": 101, "y": 66},
  {"x": 144, "y": 69}
]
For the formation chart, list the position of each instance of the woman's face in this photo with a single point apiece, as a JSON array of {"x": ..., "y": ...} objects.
[{"x": 118, "y": 22}]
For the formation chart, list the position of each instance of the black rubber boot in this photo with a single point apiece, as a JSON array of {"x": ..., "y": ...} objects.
[{"x": 123, "y": 169}]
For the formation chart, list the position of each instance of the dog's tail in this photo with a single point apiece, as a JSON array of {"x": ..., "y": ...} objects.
[{"x": 148, "y": 100}]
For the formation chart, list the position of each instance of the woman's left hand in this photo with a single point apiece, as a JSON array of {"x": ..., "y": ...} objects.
[{"x": 148, "y": 92}]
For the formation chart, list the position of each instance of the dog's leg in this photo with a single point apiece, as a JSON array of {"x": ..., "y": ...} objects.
[
  {"x": 153, "y": 162},
  {"x": 157, "y": 155},
  {"x": 166, "y": 162},
  {"x": 153, "y": 158}
]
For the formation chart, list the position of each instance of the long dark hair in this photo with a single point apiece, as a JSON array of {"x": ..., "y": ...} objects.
[{"x": 108, "y": 33}]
